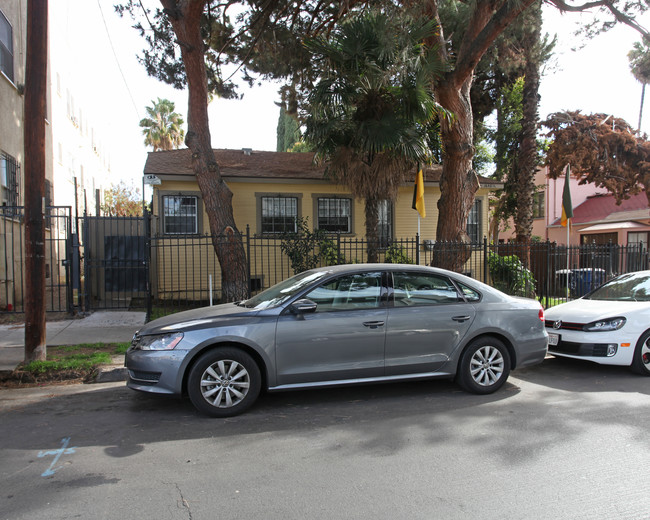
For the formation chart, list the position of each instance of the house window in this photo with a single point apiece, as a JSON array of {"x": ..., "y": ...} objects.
[
  {"x": 639, "y": 239},
  {"x": 538, "y": 205},
  {"x": 9, "y": 173},
  {"x": 6, "y": 47},
  {"x": 474, "y": 222},
  {"x": 385, "y": 223},
  {"x": 334, "y": 215},
  {"x": 279, "y": 214},
  {"x": 180, "y": 214}
]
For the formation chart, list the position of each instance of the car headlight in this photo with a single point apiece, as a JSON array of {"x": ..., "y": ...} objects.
[
  {"x": 605, "y": 325},
  {"x": 158, "y": 341}
]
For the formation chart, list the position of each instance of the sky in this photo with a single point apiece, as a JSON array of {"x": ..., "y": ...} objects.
[{"x": 593, "y": 79}]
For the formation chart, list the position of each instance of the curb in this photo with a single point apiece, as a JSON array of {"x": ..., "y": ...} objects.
[{"x": 111, "y": 374}]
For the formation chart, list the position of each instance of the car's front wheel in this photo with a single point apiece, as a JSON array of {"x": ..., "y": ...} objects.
[
  {"x": 224, "y": 382},
  {"x": 641, "y": 361},
  {"x": 484, "y": 366}
]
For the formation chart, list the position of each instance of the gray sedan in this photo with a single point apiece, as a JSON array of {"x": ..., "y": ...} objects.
[{"x": 338, "y": 326}]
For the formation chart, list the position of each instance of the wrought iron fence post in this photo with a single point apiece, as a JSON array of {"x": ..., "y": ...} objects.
[
  {"x": 248, "y": 257},
  {"x": 338, "y": 248},
  {"x": 147, "y": 260},
  {"x": 485, "y": 259},
  {"x": 417, "y": 249}
]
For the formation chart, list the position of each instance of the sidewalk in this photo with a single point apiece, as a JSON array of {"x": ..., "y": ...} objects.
[{"x": 99, "y": 327}]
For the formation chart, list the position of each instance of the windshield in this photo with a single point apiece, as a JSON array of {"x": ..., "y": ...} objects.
[
  {"x": 627, "y": 287},
  {"x": 283, "y": 291}
]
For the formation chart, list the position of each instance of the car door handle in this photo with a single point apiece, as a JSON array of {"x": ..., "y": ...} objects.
[
  {"x": 373, "y": 324},
  {"x": 460, "y": 318}
]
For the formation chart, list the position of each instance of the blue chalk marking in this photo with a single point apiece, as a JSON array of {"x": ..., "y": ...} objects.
[{"x": 64, "y": 450}]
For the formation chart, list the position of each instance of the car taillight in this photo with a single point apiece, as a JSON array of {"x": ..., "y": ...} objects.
[{"x": 541, "y": 313}]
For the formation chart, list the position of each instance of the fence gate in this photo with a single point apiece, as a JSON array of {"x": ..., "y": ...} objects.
[
  {"x": 58, "y": 259},
  {"x": 115, "y": 262}
]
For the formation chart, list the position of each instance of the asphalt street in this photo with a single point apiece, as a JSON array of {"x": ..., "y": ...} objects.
[{"x": 564, "y": 440}]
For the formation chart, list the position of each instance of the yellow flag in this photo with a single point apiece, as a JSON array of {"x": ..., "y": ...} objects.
[{"x": 418, "y": 195}]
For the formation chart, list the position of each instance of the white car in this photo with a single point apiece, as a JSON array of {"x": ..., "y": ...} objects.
[{"x": 610, "y": 325}]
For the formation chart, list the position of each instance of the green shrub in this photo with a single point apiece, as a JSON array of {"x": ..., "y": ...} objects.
[
  {"x": 307, "y": 249},
  {"x": 510, "y": 276},
  {"x": 397, "y": 255}
]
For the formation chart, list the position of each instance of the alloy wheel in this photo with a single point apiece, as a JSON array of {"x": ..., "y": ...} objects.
[{"x": 487, "y": 365}]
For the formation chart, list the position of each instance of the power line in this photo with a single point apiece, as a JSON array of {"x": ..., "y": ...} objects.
[{"x": 117, "y": 61}]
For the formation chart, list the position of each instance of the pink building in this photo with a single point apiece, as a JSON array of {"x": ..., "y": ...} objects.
[{"x": 596, "y": 217}]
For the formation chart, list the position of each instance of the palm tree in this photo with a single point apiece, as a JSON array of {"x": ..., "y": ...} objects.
[
  {"x": 162, "y": 128},
  {"x": 368, "y": 116},
  {"x": 639, "y": 58}
]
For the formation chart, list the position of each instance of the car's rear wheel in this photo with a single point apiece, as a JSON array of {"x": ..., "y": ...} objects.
[
  {"x": 484, "y": 366},
  {"x": 224, "y": 382},
  {"x": 641, "y": 361}
]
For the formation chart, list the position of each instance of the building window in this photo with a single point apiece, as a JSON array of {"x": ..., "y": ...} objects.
[
  {"x": 474, "y": 222},
  {"x": 9, "y": 179},
  {"x": 639, "y": 239},
  {"x": 279, "y": 214},
  {"x": 385, "y": 223},
  {"x": 334, "y": 215},
  {"x": 180, "y": 214},
  {"x": 538, "y": 204},
  {"x": 6, "y": 47}
]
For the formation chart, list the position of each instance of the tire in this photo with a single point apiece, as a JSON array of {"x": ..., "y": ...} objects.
[
  {"x": 641, "y": 360},
  {"x": 224, "y": 382},
  {"x": 484, "y": 366}
]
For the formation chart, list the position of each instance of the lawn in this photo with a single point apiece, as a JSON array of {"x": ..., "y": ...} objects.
[{"x": 65, "y": 364}]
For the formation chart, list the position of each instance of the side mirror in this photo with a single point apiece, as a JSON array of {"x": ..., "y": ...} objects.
[{"x": 303, "y": 306}]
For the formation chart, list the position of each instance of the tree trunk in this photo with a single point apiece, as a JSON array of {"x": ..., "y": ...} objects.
[
  {"x": 372, "y": 229},
  {"x": 459, "y": 182},
  {"x": 35, "y": 115},
  {"x": 217, "y": 197},
  {"x": 527, "y": 158}
]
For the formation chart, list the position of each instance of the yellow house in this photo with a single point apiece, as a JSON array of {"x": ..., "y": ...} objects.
[{"x": 270, "y": 191}]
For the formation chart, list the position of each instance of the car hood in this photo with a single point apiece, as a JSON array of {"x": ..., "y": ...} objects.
[
  {"x": 586, "y": 311},
  {"x": 195, "y": 318}
]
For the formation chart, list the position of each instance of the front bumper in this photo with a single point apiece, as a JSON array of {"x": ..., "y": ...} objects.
[
  {"x": 594, "y": 346},
  {"x": 159, "y": 372}
]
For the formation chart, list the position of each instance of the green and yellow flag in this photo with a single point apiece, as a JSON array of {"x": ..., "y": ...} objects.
[
  {"x": 567, "y": 208},
  {"x": 418, "y": 195}
]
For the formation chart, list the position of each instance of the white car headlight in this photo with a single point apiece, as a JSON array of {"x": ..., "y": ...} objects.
[
  {"x": 159, "y": 341},
  {"x": 605, "y": 325}
]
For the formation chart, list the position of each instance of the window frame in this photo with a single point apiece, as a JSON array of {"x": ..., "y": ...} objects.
[
  {"x": 539, "y": 204},
  {"x": 318, "y": 197},
  {"x": 164, "y": 216},
  {"x": 260, "y": 207},
  {"x": 7, "y": 53},
  {"x": 9, "y": 179},
  {"x": 477, "y": 209},
  {"x": 385, "y": 239}
]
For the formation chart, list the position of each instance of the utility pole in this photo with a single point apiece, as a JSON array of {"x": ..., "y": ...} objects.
[{"x": 35, "y": 114}]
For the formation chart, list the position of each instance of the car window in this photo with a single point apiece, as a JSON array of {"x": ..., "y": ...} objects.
[
  {"x": 470, "y": 294},
  {"x": 423, "y": 289},
  {"x": 353, "y": 291},
  {"x": 627, "y": 287}
]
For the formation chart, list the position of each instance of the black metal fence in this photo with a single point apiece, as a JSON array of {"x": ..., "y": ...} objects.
[
  {"x": 185, "y": 272},
  {"x": 118, "y": 262},
  {"x": 58, "y": 251}
]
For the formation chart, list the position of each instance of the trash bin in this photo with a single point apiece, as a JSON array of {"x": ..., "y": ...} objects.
[{"x": 586, "y": 280}]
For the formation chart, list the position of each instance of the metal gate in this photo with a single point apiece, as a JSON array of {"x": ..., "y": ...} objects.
[
  {"x": 58, "y": 254},
  {"x": 115, "y": 265}
]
